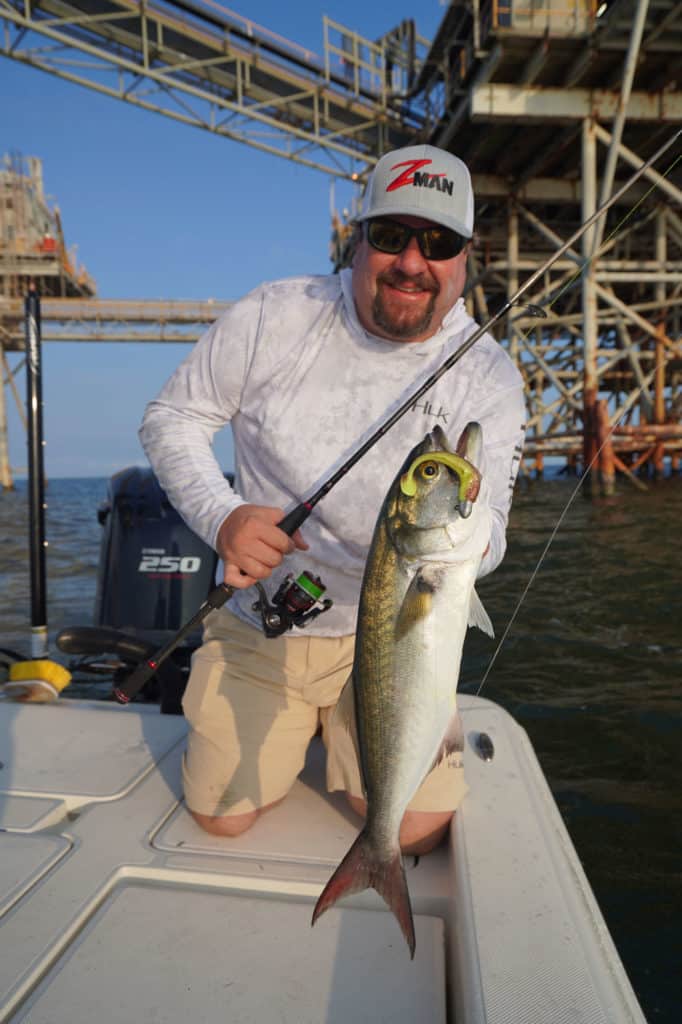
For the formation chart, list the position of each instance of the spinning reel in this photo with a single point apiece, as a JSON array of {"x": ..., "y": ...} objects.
[{"x": 296, "y": 603}]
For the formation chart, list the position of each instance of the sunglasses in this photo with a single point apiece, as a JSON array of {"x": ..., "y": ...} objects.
[{"x": 435, "y": 243}]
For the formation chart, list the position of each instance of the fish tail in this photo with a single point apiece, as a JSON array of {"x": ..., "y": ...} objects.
[{"x": 360, "y": 869}]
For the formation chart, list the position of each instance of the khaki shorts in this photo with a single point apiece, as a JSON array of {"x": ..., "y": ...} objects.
[{"x": 254, "y": 704}]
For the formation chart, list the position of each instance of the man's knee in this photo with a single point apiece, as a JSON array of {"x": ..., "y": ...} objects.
[
  {"x": 229, "y": 825},
  {"x": 420, "y": 831},
  {"x": 423, "y": 831}
]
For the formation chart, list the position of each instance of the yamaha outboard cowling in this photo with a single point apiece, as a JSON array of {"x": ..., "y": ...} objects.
[{"x": 153, "y": 574}]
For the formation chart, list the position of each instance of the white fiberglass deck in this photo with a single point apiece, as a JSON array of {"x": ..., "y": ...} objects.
[{"x": 115, "y": 906}]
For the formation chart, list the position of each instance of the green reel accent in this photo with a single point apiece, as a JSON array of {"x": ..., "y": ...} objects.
[
  {"x": 306, "y": 584},
  {"x": 464, "y": 470}
]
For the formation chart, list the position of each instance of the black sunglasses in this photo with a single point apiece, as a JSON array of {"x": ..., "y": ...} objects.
[{"x": 435, "y": 243}]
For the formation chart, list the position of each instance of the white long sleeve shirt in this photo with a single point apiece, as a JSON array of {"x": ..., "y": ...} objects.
[{"x": 302, "y": 383}]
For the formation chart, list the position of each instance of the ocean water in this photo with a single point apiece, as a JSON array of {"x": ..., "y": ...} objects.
[{"x": 591, "y": 667}]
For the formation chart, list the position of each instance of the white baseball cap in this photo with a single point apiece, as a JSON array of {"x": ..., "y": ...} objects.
[{"x": 421, "y": 181}]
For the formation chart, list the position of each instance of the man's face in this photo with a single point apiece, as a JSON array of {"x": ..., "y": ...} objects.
[{"x": 405, "y": 297}]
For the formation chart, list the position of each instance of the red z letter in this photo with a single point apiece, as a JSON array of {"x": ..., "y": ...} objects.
[{"x": 407, "y": 176}]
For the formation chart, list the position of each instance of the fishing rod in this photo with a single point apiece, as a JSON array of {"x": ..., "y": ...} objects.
[
  {"x": 294, "y": 519},
  {"x": 36, "y": 472}
]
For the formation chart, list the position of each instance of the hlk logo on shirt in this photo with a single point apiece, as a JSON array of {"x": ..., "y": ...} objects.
[{"x": 430, "y": 410}]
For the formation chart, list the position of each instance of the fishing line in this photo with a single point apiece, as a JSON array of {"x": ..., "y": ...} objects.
[
  {"x": 544, "y": 554},
  {"x": 595, "y": 458}
]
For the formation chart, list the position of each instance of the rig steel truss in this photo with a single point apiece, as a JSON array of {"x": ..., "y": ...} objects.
[
  {"x": 206, "y": 66},
  {"x": 87, "y": 320},
  {"x": 112, "y": 320},
  {"x": 604, "y": 369},
  {"x": 550, "y": 104}
]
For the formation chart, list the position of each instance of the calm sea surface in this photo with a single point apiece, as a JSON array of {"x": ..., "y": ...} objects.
[{"x": 591, "y": 668}]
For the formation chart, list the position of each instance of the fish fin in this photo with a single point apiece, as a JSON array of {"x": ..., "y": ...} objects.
[
  {"x": 360, "y": 869},
  {"x": 417, "y": 602},
  {"x": 478, "y": 616},
  {"x": 453, "y": 742},
  {"x": 470, "y": 444}
]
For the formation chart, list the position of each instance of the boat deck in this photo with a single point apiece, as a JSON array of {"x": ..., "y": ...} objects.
[{"x": 115, "y": 906}]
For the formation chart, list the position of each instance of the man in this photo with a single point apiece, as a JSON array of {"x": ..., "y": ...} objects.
[{"x": 304, "y": 369}]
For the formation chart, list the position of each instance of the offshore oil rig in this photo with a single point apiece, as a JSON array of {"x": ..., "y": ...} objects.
[
  {"x": 32, "y": 248},
  {"x": 552, "y": 104}
]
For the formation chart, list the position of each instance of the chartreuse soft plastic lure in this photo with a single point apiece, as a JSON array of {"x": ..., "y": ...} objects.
[{"x": 469, "y": 477}]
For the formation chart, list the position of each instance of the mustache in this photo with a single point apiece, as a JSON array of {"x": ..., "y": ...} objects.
[{"x": 396, "y": 278}]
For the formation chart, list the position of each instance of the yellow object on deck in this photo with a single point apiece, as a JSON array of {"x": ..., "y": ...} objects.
[{"x": 39, "y": 681}]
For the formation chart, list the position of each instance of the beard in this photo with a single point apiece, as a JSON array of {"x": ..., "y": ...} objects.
[{"x": 403, "y": 324}]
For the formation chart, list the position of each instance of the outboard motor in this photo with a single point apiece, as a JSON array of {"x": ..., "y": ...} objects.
[{"x": 153, "y": 574}]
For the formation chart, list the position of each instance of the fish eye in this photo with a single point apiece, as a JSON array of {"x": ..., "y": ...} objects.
[{"x": 429, "y": 470}]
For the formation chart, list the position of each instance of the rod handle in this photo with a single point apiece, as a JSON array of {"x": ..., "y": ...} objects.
[
  {"x": 146, "y": 669},
  {"x": 296, "y": 518}
]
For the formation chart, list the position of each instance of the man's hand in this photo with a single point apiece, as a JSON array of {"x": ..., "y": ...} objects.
[{"x": 251, "y": 545}]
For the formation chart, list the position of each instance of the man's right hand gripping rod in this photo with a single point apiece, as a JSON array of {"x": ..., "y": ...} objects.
[{"x": 217, "y": 597}]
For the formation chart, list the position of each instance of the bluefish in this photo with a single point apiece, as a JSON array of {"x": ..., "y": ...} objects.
[{"x": 416, "y": 603}]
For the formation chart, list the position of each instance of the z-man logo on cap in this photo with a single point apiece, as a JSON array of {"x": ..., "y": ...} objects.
[{"x": 412, "y": 176}]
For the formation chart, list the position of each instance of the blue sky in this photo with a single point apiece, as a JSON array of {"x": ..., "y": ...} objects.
[{"x": 161, "y": 210}]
